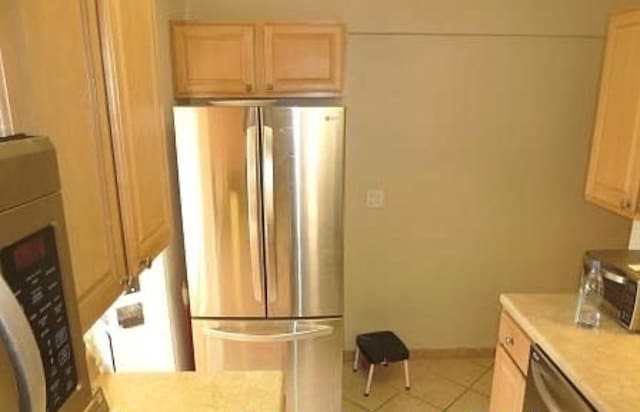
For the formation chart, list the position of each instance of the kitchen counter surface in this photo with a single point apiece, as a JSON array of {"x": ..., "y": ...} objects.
[
  {"x": 604, "y": 363},
  {"x": 194, "y": 392}
]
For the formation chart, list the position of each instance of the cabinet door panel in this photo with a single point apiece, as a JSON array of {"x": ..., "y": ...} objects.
[
  {"x": 507, "y": 392},
  {"x": 57, "y": 99},
  {"x": 614, "y": 169},
  {"x": 212, "y": 59},
  {"x": 137, "y": 127},
  {"x": 303, "y": 58}
]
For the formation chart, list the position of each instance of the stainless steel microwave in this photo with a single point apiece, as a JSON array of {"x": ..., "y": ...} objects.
[
  {"x": 621, "y": 278},
  {"x": 42, "y": 359}
]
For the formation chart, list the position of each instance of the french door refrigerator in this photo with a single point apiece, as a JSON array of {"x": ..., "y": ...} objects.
[{"x": 261, "y": 190}]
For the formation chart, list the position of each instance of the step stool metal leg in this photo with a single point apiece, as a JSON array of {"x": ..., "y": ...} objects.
[
  {"x": 355, "y": 359},
  {"x": 369, "y": 379},
  {"x": 407, "y": 382}
]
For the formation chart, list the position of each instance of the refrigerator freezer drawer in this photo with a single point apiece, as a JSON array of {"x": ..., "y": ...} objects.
[{"x": 309, "y": 352}]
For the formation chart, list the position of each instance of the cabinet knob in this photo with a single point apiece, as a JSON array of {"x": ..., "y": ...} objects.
[
  {"x": 146, "y": 263},
  {"x": 625, "y": 204},
  {"x": 508, "y": 340},
  {"x": 269, "y": 86},
  {"x": 248, "y": 87}
]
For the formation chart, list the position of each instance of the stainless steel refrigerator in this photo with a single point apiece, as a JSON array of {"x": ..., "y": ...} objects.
[{"x": 261, "y": 190}]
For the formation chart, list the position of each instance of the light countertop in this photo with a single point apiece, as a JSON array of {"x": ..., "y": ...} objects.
[
  {"x": 194, "y": 392},
  {"x": 603, "y": 363}
]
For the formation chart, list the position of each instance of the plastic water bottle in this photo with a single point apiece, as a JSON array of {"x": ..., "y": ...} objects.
[{"x": 590, "y": 298}]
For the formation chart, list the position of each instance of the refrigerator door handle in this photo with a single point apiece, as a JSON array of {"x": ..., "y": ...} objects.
[
  {"x": 253, "y": 206},
  {"x": 225, "y": 334},
  {"x": 16, "y": 333},
  {"x": 269, "y": 213}
]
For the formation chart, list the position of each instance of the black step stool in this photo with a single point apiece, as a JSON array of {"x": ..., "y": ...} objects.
[{"x": 381, "y": 348}]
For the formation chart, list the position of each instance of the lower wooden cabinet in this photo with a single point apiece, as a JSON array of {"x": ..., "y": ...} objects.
[
  {"x": 507, "y": 393},
  {"x": 511, "y": 367}
]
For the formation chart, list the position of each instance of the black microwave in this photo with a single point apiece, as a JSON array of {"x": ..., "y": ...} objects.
[{"x": 621, "y": 277}]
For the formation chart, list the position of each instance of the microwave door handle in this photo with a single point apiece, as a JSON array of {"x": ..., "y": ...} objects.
[
  {"x": 224, "y": 334},
  {"x": 253, "y": 212},
  {"x": 16, "y": 333},
  {"x": 269, "y": 212},
  {"x": 613, "y": 277}
]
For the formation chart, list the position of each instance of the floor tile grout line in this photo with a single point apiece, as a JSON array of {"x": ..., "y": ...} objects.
[
  {"x": 478, "y": 393},
  {"x": 386, "y": 402},
  {"x": 420, "y": 399},
  {"x": 464, "y": 385},
  {"x": 478, "y": 378},
  {"x": 456, "y": 400},
  {"x": 466, "y": 391},
  {"x": 467, "y": 388}
]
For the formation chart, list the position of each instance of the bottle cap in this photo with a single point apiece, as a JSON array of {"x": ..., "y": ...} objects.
[{"x": 595, "y": 265}]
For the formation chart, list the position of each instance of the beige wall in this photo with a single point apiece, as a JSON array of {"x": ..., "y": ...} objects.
[{"x": 476, "y": 121}]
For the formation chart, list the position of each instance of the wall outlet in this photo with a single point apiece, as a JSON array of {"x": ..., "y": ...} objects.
[{"x": 375, "y": 198}]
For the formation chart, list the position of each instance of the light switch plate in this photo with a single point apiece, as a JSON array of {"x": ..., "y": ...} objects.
[{"x": 375, "y": 198}]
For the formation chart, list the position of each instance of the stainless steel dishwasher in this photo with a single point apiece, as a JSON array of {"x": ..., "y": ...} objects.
[{"x": 548, "y": 390}]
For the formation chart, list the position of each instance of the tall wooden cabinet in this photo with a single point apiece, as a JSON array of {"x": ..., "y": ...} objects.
[
  {"x": 129, "y": 43},
  {"x": 51, "y": 93},
  {"x": 613, "y": 180},
  {"x": 213, "y": 59},
  {"x": 56, "y": 87}
]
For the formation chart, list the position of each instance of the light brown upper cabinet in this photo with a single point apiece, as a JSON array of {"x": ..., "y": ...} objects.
[
  {"x": 137, "y": 127},
  {"x": 52, "y": 92},
  {"x": 302, "y": 58},
  {"x": 613, "y": 179},
  {"x": 257, "y": 59},
  {"x": 113, "y": 173},
  {"x": 213, "y": 59}
]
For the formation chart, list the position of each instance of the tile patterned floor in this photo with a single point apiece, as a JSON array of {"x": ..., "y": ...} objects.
[{"x": 437, "y": 385}]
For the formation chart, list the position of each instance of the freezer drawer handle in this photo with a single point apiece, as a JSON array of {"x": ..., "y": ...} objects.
[{"x": 221, "y": 333}]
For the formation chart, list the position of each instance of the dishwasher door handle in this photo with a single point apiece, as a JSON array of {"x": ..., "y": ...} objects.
[
  {"x": 549, "y": 390},
  {"x": 541, "y": 386}
]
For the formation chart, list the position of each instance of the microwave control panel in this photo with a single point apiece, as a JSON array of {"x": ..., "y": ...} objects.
[{"x": 32, "y": 271}]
